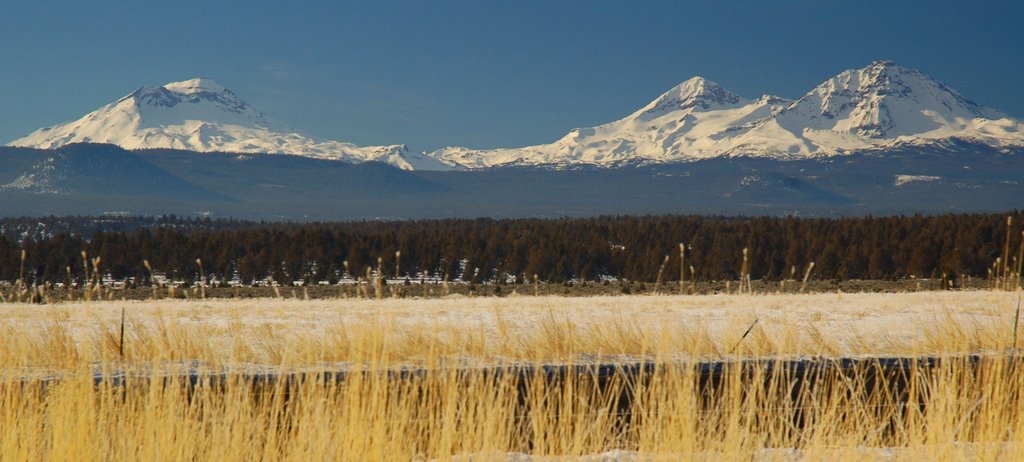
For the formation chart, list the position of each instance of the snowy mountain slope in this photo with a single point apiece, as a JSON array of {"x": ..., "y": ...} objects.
[
  {"x": 201, "y": 115},
  {"x": 882, "y": 106},
  {"x": 686, "y": 121}
]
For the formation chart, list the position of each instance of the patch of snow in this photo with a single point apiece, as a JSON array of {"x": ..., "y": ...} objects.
[{"x": 904, "y": 179}]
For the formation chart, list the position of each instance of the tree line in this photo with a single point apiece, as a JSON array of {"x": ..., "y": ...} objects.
[{"x": 482, "y": 250}]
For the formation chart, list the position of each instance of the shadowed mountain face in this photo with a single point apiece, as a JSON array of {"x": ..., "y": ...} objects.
[
  {"x": 91, "y": 169},
  {"x": 93, "y": 179}
]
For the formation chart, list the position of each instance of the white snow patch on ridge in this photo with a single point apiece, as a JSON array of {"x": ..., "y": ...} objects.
[
  {"x": 904, "y": 179},
  {"x": 196, "y": 85}
]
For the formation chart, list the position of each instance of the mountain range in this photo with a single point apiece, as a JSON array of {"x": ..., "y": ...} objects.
[
  {"x": 879, "y": 140},
  {"x": 880, "y": 107}
]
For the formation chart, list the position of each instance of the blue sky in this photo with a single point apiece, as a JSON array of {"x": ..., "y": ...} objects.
[{"x": 482, "y": 74}]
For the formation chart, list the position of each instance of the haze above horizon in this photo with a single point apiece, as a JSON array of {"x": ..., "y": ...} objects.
[{"x": 482, "y": 75}]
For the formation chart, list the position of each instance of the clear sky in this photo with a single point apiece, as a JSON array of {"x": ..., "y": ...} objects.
[{"x": 481, "y": 73}]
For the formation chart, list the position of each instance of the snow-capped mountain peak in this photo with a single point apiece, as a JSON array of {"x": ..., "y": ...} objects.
[
  {"x": 696, "y": 92},
  {"x": 202, "y": 100},
  {"x": 884, "y": 100},
  {"x": 202, "y": 115},
  {"x": 197, "y": 85}
]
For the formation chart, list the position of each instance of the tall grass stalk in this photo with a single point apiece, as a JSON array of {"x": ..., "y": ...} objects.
[
  {"x": 661, "y": 271},
  {"x": 120, "y": 343},
  {"x": 398, "y": 262},
  {"x": 20, "y": 284},
  {"x": 1003, "y": 276},
  {"x": 378, "y": 280},
  {"x": 807, "y": 276},
  {"x": 682, "y": 269},
  {"x": 1016, "y": 319},
  {"x": 1020, "y": 259},
  {"x": 202, "y": 279},
  {"x": 745, "y": 286}
]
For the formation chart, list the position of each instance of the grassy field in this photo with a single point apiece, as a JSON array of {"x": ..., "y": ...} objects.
[{"x": 960, "y": 411}]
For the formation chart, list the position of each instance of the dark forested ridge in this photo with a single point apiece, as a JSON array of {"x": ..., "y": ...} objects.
[
  {"x": 556, "y": 250},
  {"x": 99, "y": 179}
]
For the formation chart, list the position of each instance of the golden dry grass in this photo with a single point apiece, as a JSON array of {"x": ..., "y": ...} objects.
[{"x": 968, "y": 411}]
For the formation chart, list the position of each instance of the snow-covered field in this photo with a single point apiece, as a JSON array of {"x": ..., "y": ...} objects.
[{"x": 545, "y": 328}]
